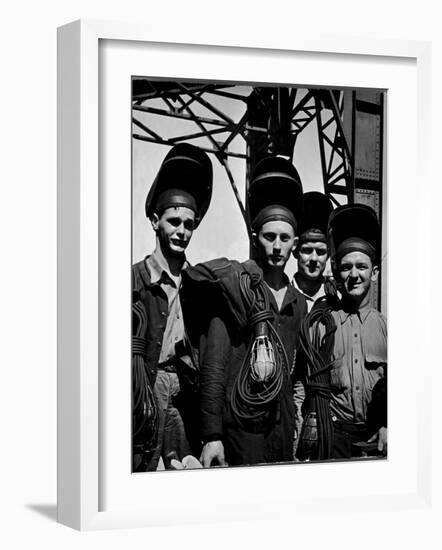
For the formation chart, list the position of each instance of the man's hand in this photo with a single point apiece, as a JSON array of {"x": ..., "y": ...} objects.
[
  {"x": 213, "y": 450},
  {"x": 381, "y": 437}
]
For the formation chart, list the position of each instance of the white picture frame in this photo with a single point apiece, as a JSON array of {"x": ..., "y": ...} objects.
[{"x": 81, "y": 294}]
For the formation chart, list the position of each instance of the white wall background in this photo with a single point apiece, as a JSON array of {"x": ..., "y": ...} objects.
[{"x": 28, "y": 269}]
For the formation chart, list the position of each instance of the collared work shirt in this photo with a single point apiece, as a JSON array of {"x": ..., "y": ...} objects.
[
  {"x": 360, "y": 360},
  {"x": 222, "y": 359},
  {"x": 174, "y": 330},
  {"x": 310, "y": 300}
]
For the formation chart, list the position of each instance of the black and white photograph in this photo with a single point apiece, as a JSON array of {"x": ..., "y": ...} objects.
[
  {"x": 213, "y": 216},
  {"x": 259, "y": 269}
]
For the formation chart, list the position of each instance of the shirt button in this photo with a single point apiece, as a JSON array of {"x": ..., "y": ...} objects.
[
  {"x": 356, "y": 335},
  {"x": 357, "y": 388},
  {"x": 356, "y": 360}
]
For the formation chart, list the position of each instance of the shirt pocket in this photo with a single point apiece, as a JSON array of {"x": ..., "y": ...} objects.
[
  {"x": 375, "y": 359},
  {"x": 374, "y": 349},
  {"x": 340, "y": 375}
]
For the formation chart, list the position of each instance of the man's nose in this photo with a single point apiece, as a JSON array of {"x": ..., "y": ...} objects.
[
  {"x": 181, "y": 229},
  {"x": 314, "y": 256},
  {"x": 354, "y": 272},
  {"x": 277, "y": 244}
]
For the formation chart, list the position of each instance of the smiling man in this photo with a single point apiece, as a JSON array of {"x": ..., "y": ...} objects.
[
  {"x": 358, "y": 404},
  {"x": 175, "y": 205},
  {"x": 247, "y": 407},
  {"x": 311, "y": 252}
]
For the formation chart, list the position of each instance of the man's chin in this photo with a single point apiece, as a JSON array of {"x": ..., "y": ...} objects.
[
  {"x": 356, "y": 291},
  {"x": 279, "y": 263},
  {"x": 177, "y": 251},
  {"x": 355, "y": 296}
]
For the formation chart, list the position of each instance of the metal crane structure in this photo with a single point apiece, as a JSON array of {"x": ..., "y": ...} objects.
[
  {"x": 249, "y": 122},
  {"x": 349, "y": 128}
]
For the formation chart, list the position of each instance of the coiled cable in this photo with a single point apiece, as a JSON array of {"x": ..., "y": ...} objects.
[
  {"x": 144, "y": 407},
  {"x": 318, "y": 351},
  {"x": 251, "y": 400}
]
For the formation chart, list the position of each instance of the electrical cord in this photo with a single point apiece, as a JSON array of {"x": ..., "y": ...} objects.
[
  {"x": 251, "y": 399},
  {"x": 144, "y": 407},
  {"x": 318, "y": 351}
]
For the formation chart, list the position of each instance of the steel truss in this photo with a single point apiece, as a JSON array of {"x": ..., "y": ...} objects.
[{"x": 269, "y": 122}]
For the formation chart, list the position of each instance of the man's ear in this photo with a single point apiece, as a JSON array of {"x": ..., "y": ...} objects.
[
  {"x": 375, "y": 273},
  {"x": 154, "y": 220},
  {"x": 254, "y": 239},
  {"x": 295, "y": 247}
]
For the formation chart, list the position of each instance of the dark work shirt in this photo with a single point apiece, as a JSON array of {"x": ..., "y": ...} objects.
[
  {"x": 156, "y": 304},
  {"x": 223, "y": 353}
]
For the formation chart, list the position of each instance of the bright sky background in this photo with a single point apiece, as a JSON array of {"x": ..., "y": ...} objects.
[{"x": 222, "y": 232}]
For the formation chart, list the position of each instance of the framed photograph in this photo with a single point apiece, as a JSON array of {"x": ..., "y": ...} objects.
[
  {"x": 334, "y": 110},
  {"x": 205, "y": 141}
]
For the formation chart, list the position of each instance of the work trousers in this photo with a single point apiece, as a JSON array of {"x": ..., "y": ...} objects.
[
  {"x": 271, "y": 445},
  {"x": 345, "y": 434},
  {"x": 172, "y": 440}
]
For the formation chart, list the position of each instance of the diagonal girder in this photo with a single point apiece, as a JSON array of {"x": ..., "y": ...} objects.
[
  {"x": 336, "y": 159},
  {"x": 284, "y": 114}
]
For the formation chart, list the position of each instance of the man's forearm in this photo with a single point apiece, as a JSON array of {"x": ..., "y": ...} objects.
[{"x": 213, "y": 360}]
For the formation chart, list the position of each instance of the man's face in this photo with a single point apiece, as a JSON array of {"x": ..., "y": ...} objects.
[
  {"x": 275, "y": 242},
  {"x": 355, "y": 273},
  {"x": 312, "y": 259},
  {"x": 174, "y": 228}
]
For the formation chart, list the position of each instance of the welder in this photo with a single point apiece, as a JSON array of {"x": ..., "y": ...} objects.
[
  {"x": 249, "y": 350},
  {"x": 350, "y": 343},
  {"x": 311, "y": 252},
  {"x": 176, "y": 203}
]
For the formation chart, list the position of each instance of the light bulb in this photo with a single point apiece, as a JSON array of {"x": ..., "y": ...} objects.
[{"x": 262, "y": 359}]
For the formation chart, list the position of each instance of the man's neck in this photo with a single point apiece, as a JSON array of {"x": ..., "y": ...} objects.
[
  {"x": 173, "y": 263},
  {"x": 274, "y": 277},
  {"x": 309, "y": 286},
  {"x": 357, "y": 304}
]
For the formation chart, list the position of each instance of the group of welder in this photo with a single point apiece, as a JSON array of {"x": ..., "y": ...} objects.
[{"x": 235, "y": 364}]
